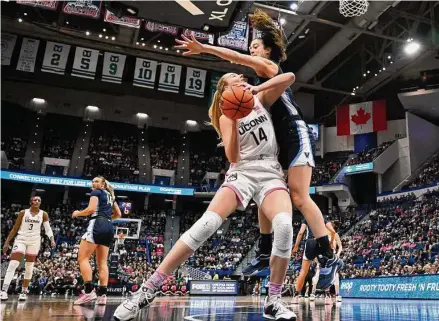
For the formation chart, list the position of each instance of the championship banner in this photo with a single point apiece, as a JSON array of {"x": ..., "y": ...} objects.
[
  {"x": 215, "y": 77},
  {"x": 200, "y": 36},
  {"x": 85, "y": 63},
  {"x": 114, "y": 65},
  {"x": 55, "y": 58},
  {"x": 28, "y": 55},
  {"x": 158, "y": 27},
  {"x": 237, "y": 38},
  {"x": 50, "y": 5},
  {"x": 169, "y": 77},
  {"x": 90, "y": 9},
  {"x": 195, "y": 82},
  {"x": 8, "y": 45},
  {"x": 145, "y": 73},
  {"x": 123, "y": 21}
]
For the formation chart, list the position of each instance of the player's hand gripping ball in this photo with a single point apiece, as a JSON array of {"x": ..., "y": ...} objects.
[{"x": 237, "y": 102}]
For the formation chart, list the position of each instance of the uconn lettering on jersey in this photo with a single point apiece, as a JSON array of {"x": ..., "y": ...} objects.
[
  {"x": 245, "y": 127},
  {"x": 29, "y": 220}
]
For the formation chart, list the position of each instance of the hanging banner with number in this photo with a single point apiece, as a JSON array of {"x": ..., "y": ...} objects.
[
  {"x": 114, "y": 65},
  {"x": 51, "y": 5},
  {"x": 214, "y": 78},
  {"x": 55, "y": 58},
  {"x": 90, "y": 9},
  {"x": 8, "y": 45},
  {"x": 85, "y": 63},
  {"x": 169, "y": 77},
  {"x": 158, "y": 27},
  {"x": 237, "y": 38},
  {"x": 28, "y": 55},
  {"x": 144, "y": 73},
  {"x": 195, "y": 82}
]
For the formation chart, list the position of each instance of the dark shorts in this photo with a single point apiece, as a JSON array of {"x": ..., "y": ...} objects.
[
  {"x": 99, "y": 231},
  {"x": 296, "y": 147},
  {"x": 310, "y": 252}
]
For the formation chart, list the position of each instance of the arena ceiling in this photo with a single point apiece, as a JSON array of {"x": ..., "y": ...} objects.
[{"x": 330, "y": 54}]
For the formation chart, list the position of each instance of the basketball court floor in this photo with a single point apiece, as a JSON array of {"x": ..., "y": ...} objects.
[{"x": 220, "y": 309}]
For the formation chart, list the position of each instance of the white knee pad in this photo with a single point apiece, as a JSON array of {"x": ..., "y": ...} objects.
[
  {"x": 283, "y": 235},
  {"x": 202, "y": 230},
  {"x": 28, "y": 270},
  {"x": 12, "y": 266}
]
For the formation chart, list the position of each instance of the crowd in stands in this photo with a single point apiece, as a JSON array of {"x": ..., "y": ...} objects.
[
  {"x": 401, "y": 237},
  {"x": 163, "y": 147},
  {"x": 428, "y": 175},
  {"x": 113, "y": 152},
  {"x": 206, "y": 156},
  {"x": 328, "y": 166},
  {"x": 369, "y": 155}
]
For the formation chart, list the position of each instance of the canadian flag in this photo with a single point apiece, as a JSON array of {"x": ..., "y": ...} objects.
[{"x": 361, "y": 118}]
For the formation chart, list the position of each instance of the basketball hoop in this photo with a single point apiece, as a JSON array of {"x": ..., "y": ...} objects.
[
  {"x": 353, "y": 8},
  {"x": 121, "y": 239}
]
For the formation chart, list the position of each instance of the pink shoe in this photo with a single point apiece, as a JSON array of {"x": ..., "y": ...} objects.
[
  {"x": 86, "y": 298},
  {"x": 102, "y": 300}
]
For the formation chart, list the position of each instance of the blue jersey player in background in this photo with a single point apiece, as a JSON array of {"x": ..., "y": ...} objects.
[{"x": 101, "y": 210}]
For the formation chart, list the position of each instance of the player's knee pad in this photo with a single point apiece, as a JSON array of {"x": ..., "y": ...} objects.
[
  {"x": 283, "y": 235},
  {"x": 28, "y": 270},
  {"x": 13, "y": 265},
  {"x": 202, "y": 230}
]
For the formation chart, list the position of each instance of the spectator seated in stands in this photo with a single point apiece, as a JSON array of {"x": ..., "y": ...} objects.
[
  {"x": 163, "y": 147},
  {"x": 328, "y": 166},
  {"x": 428, "y": 175},
  {"x": 369, "y": 155}
]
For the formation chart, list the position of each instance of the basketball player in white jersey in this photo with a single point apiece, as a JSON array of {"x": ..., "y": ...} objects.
[
  {"x": 251, "y": 148},
  {"x": 27, "y": 243}
]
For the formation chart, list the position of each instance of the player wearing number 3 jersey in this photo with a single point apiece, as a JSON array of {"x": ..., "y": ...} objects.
[
  {"x": 28, "y": 242},
  {"x": 251, "y": 148}
]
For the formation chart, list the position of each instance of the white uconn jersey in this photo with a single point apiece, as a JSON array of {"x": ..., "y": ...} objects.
[
  {"x": 256, "y": 134},
  {"x": 30, "y": 228}
]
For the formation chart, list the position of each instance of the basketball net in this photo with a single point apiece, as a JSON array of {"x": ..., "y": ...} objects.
[
  {"x": 353, "y": 8},
  {"x": 121, "y": 239}
]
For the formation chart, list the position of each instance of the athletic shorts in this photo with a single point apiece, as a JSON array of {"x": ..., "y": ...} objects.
[
  {"x": 310, "y": 252},
  {"x": 254, "y": 179},
  {"x": 31, "y": 247},
  {"x": 296, "y": 145},
  {"x": 99, "y": 231}
]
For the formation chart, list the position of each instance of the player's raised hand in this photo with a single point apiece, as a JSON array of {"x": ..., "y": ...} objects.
[
  {"x": 193, "y": 46},
  {"x": 75, "y": 214}
]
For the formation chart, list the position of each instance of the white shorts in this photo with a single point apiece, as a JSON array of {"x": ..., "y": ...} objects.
[
  {"x": 255, "y": 179},
  {"x": 30, "y": 248}
]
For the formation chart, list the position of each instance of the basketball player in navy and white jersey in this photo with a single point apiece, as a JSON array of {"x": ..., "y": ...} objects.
[
  {"x": 251, "y": 148},
  {"x": 292, "y": 133},
  {"x": 27, "y": 243},
  {"x": 102, "y": 209}
]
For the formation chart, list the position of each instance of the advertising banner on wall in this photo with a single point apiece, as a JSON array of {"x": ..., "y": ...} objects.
[
  {"x": 213, "y": 287},
  {"x": 395, "y": 287}
]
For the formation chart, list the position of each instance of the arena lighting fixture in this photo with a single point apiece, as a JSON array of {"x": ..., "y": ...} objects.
[
  {"x": 206, "y": 28},
  {"x": 67, "y": 22},
  {"x": 166, "y": 49},
  {"x": 87, "y": 33},
  {"x": 301, "y": 36},
  {"x": 389, "y": 57},
  {"x": 100, "y": 36},
  {"x": 178, "y": 51},
  {"x": 158, "y": 40},
  {"x": 161, "y": 48},
  {"x": 384, "y": 68},
  {"x": 104, "y": 30},
  {"x": 294, "y": 6},
  {"x": 191, "y": 122},
  {"x": 368, "y": 71},
  {"x": 106, "y": 37},
  {"x": 25, "y": 14},
  {"x": 20, "y": 20},
  {"x": 155, "y": 46},
  {"x": 143, "y": 44},
  {"x": 411, "y": 47},
  {"x": 113, "y": 38},
  {"x": 38, "y": 100},
  {"x": 282, "y": 21},
  {"x": 137, "y": 43},
  {"x": 142, "y": 115},
  {"x": 353, "y": 94},
  {"x": 364, "y": 75},
  {"x": 92, "y": 108}
]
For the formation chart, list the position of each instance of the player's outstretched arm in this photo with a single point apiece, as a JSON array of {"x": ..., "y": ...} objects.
[
  {"x": 271, "y": 90},
  {"x": 48, "y": 229},
  {"x": 262, "y": 66},
  {"x": 299, "y": 238},
  {"x": 14, "y": 231}
]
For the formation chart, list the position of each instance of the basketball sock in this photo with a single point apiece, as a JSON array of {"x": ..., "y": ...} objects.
[
  {"x": 324, "y": 248},
  {"x": 88, "y": 287},
  {"x": 265, "y": 243},
  {"x": 24, "y": 290},
  {"x": 12, "y": 266},
  {"x": 156, "y": 280},
  {"x": 102, "y": 290},
  {"x": 274, "y": 289}
]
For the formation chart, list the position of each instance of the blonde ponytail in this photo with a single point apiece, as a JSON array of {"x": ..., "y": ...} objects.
[
  {"x": 108, "y": 187},
  {"x": 215, "y": 109}
]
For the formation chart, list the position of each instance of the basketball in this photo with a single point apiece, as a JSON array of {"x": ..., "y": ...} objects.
[{"x": 236, "y": 103}]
